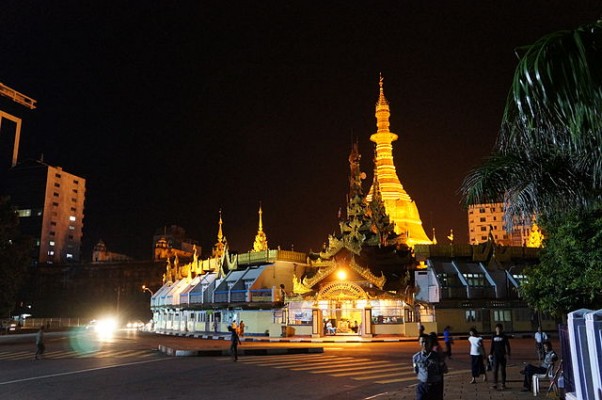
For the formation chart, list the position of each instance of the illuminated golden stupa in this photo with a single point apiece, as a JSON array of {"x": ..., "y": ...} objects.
[{"x": 402, "y": 210}]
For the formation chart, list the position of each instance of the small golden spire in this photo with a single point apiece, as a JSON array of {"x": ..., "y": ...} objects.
[
  {"x": 220, "y": 234},
  {"x": 261, "y": 240},
  {"x": 434, "y": 240}
]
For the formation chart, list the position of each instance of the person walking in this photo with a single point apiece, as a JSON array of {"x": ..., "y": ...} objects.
[
  {"x": 429, "y": 367},
  {"x": 477, "y": 350},
  {"x": 448, "y": 340},
  {"x": 234, "y": 342},
  {"x": 549, "y": 359},
  {"x": 500, "y": 349},
  {"x": 540, "y": 337},
  {"x": 241, "y": 328},
  {"x": 40, "y": 347}
]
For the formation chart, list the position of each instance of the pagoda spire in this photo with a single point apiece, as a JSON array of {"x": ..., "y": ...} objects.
[
  {"x": 398, "y": 204},
  {"x": 220, "y": 245},
  {"x": 261, "y": 240}
]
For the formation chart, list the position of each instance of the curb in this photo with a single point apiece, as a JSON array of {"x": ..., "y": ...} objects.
[{"x": 169, "y": 351}]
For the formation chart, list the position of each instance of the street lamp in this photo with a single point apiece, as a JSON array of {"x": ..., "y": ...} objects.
[{"x": 145, "y": 289}]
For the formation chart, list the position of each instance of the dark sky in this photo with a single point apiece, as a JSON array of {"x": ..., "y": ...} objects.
[{"x": 172, "y": 110}]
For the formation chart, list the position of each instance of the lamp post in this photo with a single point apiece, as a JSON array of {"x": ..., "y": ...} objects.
[{"x": 145, "y": 289}]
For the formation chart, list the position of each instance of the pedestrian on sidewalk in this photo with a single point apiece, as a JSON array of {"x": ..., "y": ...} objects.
[
  {"x": 429, "y": 367},
  {"x": 241, "y": 328},
  {"x": 540, "y": 337},
  {"x": 40, "y": 347},
  {"x": 448, "y": 340},
  {"x": 234, "y": 342},
  {"x": 477, "y": 352},
  {"x": 500, "y": 349}
]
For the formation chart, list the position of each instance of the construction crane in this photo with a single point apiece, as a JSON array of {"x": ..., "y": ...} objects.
[
  {"x": 17, "y": 97},
  {"x": 23, "y": 100}
]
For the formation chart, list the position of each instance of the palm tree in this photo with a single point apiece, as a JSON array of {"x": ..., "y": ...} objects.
[{"x": 547, "y": 157}]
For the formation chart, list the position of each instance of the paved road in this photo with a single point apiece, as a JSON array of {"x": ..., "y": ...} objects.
[{"x": 129, "y": 367}]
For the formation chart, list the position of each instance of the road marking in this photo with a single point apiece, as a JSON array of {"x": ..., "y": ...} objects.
[
  {"x": 65, "y": 354},
  {"x": 35, "y": 378}
]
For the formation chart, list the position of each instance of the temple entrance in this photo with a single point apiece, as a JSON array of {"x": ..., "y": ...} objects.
[{"x": 342, "y": 304}]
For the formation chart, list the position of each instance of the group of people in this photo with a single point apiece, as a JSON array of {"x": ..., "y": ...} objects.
[{"x": 430, "y": 365}]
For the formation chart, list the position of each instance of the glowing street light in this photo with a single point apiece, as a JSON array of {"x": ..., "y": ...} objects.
[{"x": 145, "y": 289}]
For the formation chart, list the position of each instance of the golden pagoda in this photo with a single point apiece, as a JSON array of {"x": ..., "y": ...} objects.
[
  {"x": 401, "y": 209},
  {"x": 261, "y": 240}
]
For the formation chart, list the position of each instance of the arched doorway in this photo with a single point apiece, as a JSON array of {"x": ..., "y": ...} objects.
[{"x": 342, "y": 304}]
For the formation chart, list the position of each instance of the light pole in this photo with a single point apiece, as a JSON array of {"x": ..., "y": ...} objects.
[{"x": 145, "y": 289}]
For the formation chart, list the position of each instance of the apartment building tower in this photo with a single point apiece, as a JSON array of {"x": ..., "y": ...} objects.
[
  {"x": 488, "y": 219},
  {"x": 50, "y": 205}
]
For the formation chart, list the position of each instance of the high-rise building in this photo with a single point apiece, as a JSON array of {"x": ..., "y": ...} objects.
[
  {"x": 486, "y": 222},
  {"x": 50, "y": 204},
  {"x": 400, "y": 207}
]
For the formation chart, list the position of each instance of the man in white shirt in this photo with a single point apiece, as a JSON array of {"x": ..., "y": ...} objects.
[{"x": 540, "y": 338}]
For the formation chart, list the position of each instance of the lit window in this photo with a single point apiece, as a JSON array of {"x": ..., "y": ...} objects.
[
  {"x": 51, "y": 243},
  {"x": 69, "y": 255},
  {"x": 24, "y": 213},
  {"x": 50, "y": 252},
  {"x": 71, "y": 228},
  {"x": 72, "y": 218}
]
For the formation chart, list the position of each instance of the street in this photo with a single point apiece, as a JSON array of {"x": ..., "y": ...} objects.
[{"x": 78, "y": 365}]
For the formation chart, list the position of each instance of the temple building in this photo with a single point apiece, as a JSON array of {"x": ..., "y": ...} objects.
[
  {"x": 379, "y": 274},
  {"x": 398, "y": 204}
]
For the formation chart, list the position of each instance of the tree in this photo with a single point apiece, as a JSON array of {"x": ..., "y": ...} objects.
[
  {"x": 569, "y": 275},
  {"x": 15, "y": 252},
  {"x": 547, "y": 162}
]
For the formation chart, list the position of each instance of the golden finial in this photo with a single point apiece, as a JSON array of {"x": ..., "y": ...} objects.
[{"x": 220, "y": 234}]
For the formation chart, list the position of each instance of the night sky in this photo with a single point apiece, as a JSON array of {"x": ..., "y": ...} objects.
[{"x": 172, "y": 110}]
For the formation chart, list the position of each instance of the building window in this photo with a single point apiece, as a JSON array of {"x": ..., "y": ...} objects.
[
  {"x": 482, "y": 210},
  {"x": 50, "y": 252},
  {"x": 443, "y": 279},
  {"x": 71, "y": 228},
  {"x": 75, "y": 181},
  {"x": 483, "y": 237},
  {"x": 475, "y": 280},
  {"x": 502, "y": 315},
  {"x": 483, "y": 229},
  {"x": 492, "y": 209},
  {"x": 24, "y": 213},
  {"x": 69, "y": 255},
  {"x": 51, "y": 233},
  {"x": 73, "y": 199},
  {"x": 72, "y": 218},
  {"x": 55, "y": 194},
  {"x": 483, "y": 219},
  {"x": 73, "y": 209},
  {"x": 52, "y": 223},
  {"x": 57, "y": 175},
  {"x": 57, "y": 185},
  {"x": 51, "y": 243},
  {"x": 471, "y": 315},
  {"x": 70, "y": 237},
  {"x": 74, "y": 190}
]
